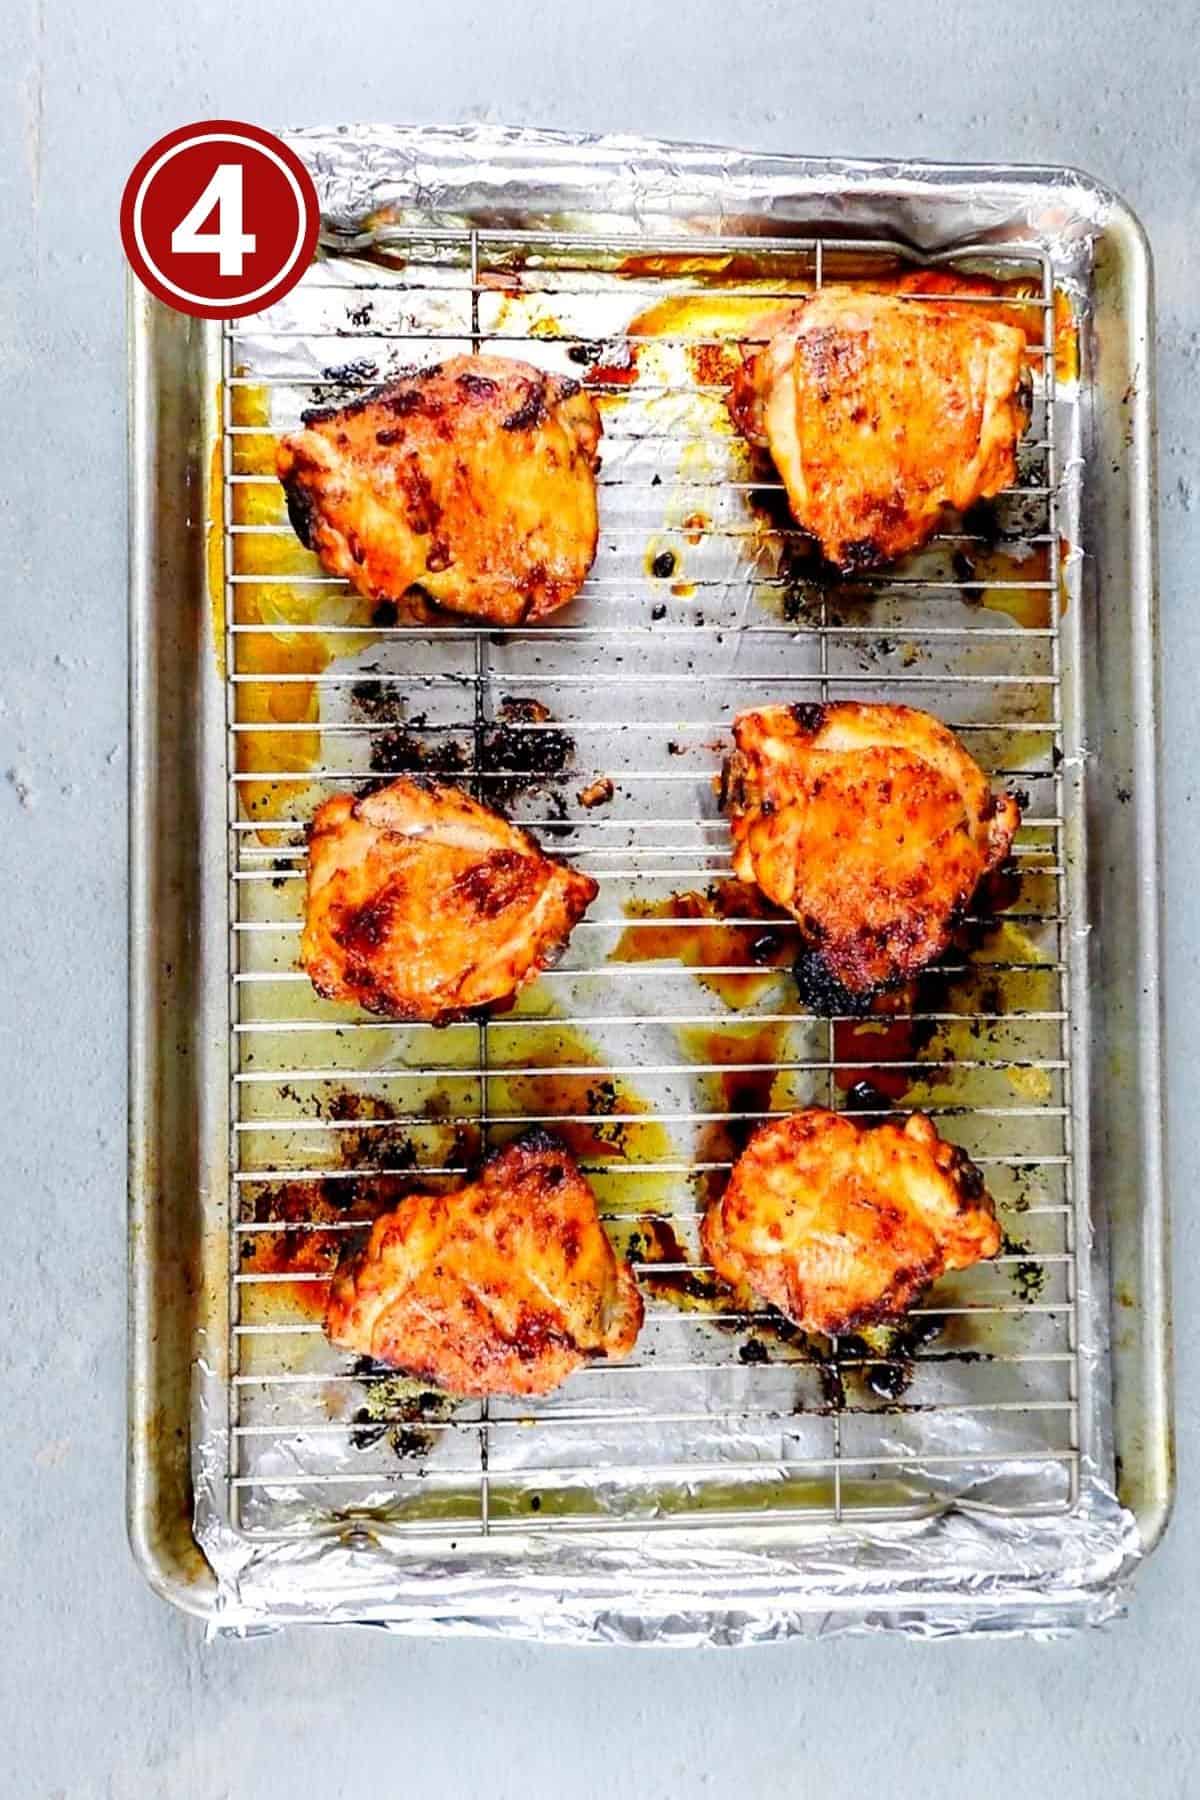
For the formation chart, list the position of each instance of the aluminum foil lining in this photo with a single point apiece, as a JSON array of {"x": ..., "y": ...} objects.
[{"x": 972, "y": 1567}]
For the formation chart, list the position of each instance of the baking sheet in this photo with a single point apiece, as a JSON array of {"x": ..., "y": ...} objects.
[{"x": 657, "y": 1549}]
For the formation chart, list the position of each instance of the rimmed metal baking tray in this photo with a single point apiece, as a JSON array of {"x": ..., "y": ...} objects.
[{"x": 751, "y": 1494}]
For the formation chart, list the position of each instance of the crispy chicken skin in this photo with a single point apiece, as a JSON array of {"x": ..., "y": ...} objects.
[
  {"x": 879, "y": 412},
  {"x": 870, "y": 824},
  {"x": 842, "y": 1226},
  {"x": 505, "y": 1287},
  {"x": 472, "y": 481},
  {"x": 423, "y": 904}
]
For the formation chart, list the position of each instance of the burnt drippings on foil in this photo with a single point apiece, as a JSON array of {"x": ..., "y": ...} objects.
[
  {"x": 300, "y": 1226},
  {"x": 293, "y": 1243},
  {"x": 372, "y": 1138},
  {"x": 407, "y": 745},
  {"x": 344, "y": 381},
  {"x": 601, "y": 1097},
  {"x": 832, "y": 1383},
  {"x": 398, "y": 1408},
  {"x": 394, "y": 395},
  {"x": 810, "y": 1349},
  {"x": 864, "y": 1097},
  {"x": 1028, "y": 1276},
  {"x": 603, "y": 1102},
  {"x": 359, "y": 1142},
  {"x": 886, "y": 1361},
  {"x": 401, "y": 752},
  {"x": 557, "y": 825},
  {"x": 814, "y": 1350},
  {"x": 356, "y": 1195},
  {"x": 302, "y": 1102},
  {"x": 518, "y": 762},
  {"x": 376, "y": 701},
  {"x": 744, "y": 1088},
  {"x": 660, "y": 1243},
  {"x": 766, "y": 496},
  {"x": 803, "y": 596}
]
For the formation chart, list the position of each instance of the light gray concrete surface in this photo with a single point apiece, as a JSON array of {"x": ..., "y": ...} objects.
[{"x": 103, "y": 1691}]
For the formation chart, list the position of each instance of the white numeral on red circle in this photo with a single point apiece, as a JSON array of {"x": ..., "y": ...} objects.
[{"x": 223, "y": 195}]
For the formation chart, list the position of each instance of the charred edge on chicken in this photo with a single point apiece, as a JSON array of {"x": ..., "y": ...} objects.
[
  {"x": 300, "y": 509},
  {"x": 823, "y": 993},
  {"x": 395, "y": 394}
]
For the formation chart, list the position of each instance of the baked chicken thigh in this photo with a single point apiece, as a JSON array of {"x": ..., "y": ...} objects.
[
  {"x": 879, "y": 412},
  {"x": 505, "y": 1287},
  {"x": 423, "y": 904},
  {"x": 471, "y": 484},
  {"x": 871, "y": 825},
  {"x": 841, "y": 1226}
]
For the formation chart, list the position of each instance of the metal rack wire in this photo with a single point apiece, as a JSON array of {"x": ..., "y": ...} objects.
[{"x": 649, "y": 1066}]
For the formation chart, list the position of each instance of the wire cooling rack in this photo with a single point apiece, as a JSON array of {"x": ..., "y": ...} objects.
[{"x": 672, "y": 1023}]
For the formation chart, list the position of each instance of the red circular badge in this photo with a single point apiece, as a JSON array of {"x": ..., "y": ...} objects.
[{"x": 219, "y": 219}]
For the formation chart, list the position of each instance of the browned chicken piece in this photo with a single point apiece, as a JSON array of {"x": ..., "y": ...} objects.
[
  {"x": 423, "y": 904},
  {"x": 872, "y": 826},
  {"x": 471, "y": 484},
  {"x": 842, "y": 1226},
  {"x": 505, "y": 1287},
  {"x": 880, "y": 412}
]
